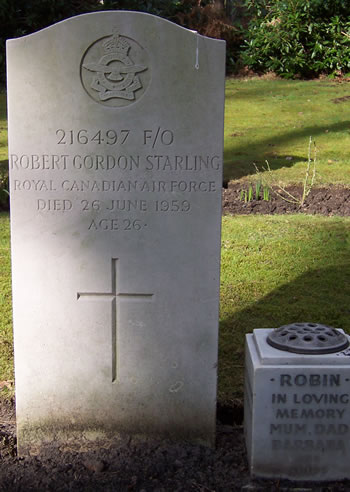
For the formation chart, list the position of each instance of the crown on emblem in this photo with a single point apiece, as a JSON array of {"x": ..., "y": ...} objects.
[{"x": 116, "y": 44}]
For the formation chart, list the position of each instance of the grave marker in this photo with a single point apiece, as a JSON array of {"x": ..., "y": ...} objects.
[
  {"x": 296, "y": 409},
  {"x": 115, "y": 155}
]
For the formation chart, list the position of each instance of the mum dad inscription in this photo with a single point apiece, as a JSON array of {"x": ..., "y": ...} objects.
[
  {"x": 297, "y": 415},
  {"x": 115, "y": 155}
]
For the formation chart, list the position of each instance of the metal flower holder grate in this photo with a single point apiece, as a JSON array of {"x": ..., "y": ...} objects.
[{"x": 308, "y": 338}]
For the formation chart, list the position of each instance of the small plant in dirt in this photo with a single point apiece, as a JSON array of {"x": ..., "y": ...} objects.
[
  {"x": 247, "y": 195},
  {"x": 309, "y": 179},
  {"x": 261, "y": 192},
  {"x": 257, "y": 190},
  {"x": 266, "y": 194}
]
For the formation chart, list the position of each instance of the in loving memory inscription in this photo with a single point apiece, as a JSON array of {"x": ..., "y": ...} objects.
[
  {"x": 296, "y": 412},
  {"x": 115, "y": 175}
]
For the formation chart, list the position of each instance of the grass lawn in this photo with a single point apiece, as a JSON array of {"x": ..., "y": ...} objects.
[
  {"x": 278, "y": 270},
  {"x": 275, "y": 269},
  {"x": 274, "y": 119},
  {"x": 6, "y": 340}
]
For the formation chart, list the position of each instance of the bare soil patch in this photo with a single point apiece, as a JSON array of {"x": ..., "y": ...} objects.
[
  {"x": 333, "y": 200},
  {"x": 130, "y": 465}
]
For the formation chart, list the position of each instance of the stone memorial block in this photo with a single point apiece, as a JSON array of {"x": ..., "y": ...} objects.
[
  {"x": 115, "y": 155},
  {"x": 296, "y": 409}
]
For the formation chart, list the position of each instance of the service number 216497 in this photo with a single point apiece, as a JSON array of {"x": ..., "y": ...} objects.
[{"x": 83, "y": 137}]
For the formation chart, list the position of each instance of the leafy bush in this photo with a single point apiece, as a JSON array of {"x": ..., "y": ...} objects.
[{"x": 298, "y": 37}]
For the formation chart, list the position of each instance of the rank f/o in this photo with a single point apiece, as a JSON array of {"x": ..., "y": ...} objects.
[{"x": 152, "y": 137}]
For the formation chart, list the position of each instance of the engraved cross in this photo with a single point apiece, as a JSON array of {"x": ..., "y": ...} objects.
[{"x": 114, "y": 296}]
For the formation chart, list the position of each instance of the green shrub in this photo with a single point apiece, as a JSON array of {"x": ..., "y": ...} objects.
[{"x": 298, "y": 37}]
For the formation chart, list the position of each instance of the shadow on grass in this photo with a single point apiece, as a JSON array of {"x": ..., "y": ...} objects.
[
  {"x": 259, "y": 151},
  {"x": 240, "y": 169},
  {"x": 320, "y": 295}
]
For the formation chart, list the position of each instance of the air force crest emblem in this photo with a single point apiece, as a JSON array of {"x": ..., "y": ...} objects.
[{"x": 112, "y": 70}]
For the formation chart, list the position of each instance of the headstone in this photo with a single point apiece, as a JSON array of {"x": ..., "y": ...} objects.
[
  {"x": 115, "y": 154},
  {"x": 296, "y": 414}
]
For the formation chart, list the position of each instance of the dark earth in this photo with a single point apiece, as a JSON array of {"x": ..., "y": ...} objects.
[
  {"x": 130, "y": 465},
  {"x": 333, "y": 200}
]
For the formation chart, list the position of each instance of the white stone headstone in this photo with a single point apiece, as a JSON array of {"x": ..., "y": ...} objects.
[
  {"x": 115, "y": 154},
  {"x": 296, "y": 412}
]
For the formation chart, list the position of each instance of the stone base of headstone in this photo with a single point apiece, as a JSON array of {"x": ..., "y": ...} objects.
[{"x": 296, "y": 412}]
